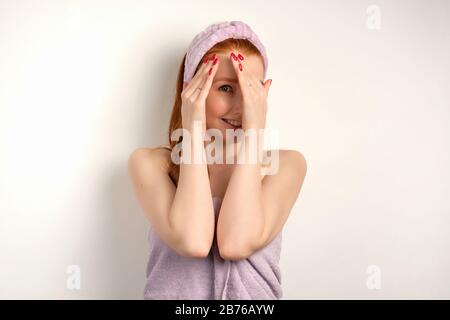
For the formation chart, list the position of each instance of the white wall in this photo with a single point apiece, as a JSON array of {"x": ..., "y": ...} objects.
[{"x": 83, "y": 83}]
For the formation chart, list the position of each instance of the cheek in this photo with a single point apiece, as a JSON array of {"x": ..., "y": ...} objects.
[{"x": 216, "y": 106}]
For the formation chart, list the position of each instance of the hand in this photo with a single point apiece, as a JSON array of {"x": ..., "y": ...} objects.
[
  {"x": 254, "y": 94},
  {"x": 193, "y": 99}
]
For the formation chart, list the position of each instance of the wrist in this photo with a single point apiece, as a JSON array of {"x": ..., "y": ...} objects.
[
  {"x": 194, "y": 126},
  {"x": 193, "y": 147}
]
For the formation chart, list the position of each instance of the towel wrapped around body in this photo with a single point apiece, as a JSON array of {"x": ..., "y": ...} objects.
[{"x": 170, "y": 276}]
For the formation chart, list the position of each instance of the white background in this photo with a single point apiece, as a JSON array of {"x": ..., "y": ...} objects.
[{"x": 84, "y": 83}]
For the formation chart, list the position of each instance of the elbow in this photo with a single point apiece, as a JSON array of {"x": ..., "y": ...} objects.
[
  {"x": 228, "y": 252},
  {"x": 196, "y": 251},
  {"x": 237, "y": 247},
  {"x": 191, "y": 245}
]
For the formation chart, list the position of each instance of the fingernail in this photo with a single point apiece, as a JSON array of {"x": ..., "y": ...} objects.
[
  {"x": 240, "y": 66},
  {"x": 234, "y": 56},
  {"x": 240, "y": 56},
  {"x": 205, "y": 61},
  {"x": 210, "y": 71},
  {"x": 213, "y": 57},
  {"x": 215, "y": 61}
]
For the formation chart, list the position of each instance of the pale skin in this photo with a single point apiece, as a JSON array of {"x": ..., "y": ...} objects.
[{"x": 254, "y": 207}]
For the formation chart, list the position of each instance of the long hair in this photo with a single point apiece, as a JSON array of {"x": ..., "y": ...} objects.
[{"x": 242, "y": 45}]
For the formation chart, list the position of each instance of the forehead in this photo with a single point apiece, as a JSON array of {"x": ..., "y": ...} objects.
[{"x": 254, "y": 64}]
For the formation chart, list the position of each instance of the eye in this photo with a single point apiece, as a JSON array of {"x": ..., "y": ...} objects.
[{"x": 225, "y": 86}]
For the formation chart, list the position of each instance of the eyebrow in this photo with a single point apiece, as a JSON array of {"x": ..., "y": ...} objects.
[
  {"x": 226, "y": 79},
  {"x": 230, "y": 79}
]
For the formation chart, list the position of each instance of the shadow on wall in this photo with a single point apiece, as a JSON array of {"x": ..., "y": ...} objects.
[
  {"x": 122, "y": 228},
  {"x": 126, "y": 246},
  {"x": 157, "y": 93}
]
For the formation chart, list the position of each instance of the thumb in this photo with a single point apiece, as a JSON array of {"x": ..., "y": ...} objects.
[{"x": 267, "y": 84}]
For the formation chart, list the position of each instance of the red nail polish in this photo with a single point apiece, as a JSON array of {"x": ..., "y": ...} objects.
[
  {"x": 213, "y": 57},
  {"x": 210, "y": 71},
  {"x": 205, "y": 60},
  {"x": 234, "y": 56},
  {"x": 240, "y": 56},
  {"x": 240, "y": 66},
  {"x": 215, "y": 61}
]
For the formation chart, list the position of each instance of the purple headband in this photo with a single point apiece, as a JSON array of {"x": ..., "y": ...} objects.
[{"x": 215, "y": 33}]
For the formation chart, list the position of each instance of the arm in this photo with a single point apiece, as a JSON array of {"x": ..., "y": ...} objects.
[
  {"x": 192, "y": 211},
  {"x": 183, "y": 216},
  {"x": 254, "y": 212},
  {"x": 177, "y": 226}
]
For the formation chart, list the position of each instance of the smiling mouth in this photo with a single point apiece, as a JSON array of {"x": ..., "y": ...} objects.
[{"x": 234, "y": 124}]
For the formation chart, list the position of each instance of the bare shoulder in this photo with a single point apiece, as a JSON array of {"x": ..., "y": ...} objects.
[
  {"x": 281, "y": 187},
  {"x": 294, "y": 159},
  {"x": 287, "y": 161},
  {"x": 157, "y": 156}
]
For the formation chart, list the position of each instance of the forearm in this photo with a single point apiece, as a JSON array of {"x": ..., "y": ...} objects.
[
  {"x": 241, "y": 219},
  {"x": 192, "y": 212}
]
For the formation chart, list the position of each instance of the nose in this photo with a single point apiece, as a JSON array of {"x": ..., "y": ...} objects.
[{"x": 237, "y": 105}]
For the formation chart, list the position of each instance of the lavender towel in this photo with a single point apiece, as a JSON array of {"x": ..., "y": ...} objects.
[{"x": 172, "y": 276}]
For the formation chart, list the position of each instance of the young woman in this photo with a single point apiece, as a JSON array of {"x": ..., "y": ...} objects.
[{"x": 215, "y": 228}]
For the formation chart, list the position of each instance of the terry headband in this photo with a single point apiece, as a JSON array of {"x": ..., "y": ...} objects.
[{"x": 215, "y": 33}]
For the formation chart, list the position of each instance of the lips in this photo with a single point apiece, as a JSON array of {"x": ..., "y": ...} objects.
[{"x": 234, "y": 124}]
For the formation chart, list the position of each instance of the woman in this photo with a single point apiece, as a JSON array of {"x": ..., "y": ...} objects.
[{"x": 215, "y": 228}]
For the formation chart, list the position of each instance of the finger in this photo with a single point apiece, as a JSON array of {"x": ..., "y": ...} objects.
[
  {"x": 249, "y": 83},
  {"x": 202, "y": 86},
  {"x": 191, "y": 86},
  {"x": 199, "y": 76},
  {"x": 251, "y": 78},
  {"x": 267, "y": 85},
  {"x": 236, "y": 62},
  {"x": 208, "y": 81}
]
